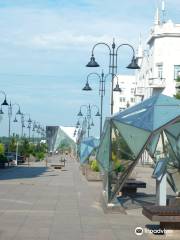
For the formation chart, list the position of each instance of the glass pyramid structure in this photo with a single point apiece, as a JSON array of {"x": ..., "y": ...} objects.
[
  {"x": 87, "y": 147},
  {"x": 152, "y": 125},
  {"x": 57, "y": 138}
]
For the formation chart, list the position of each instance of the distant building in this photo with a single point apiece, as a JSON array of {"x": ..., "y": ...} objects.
[
  {"x": 58, "y": 136},
  {"x": 160, "y": 62},
  {"x": 126, "y": 97}
]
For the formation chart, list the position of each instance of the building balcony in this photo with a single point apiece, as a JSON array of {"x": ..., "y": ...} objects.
[
  {"x": 157, "y": 83},
  {"x": 139, "y": 91}
]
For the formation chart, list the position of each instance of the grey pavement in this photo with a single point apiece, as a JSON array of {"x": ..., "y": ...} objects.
[{"x": 39, "y": 203}]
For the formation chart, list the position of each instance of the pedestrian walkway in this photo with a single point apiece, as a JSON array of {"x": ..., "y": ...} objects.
[{"x": 39, "y": 203}]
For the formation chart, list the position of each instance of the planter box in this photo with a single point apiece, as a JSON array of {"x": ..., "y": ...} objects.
[{"x": 91, "y": 175}]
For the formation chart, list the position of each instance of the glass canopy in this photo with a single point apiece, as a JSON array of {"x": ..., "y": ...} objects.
[
  {"x": 57, "y": 139},
  {"x": 87, "y": 147},
  {"x": 154, "y": 126}
]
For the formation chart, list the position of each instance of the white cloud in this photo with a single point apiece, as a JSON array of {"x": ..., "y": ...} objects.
[{"x": 50, "y": 29}]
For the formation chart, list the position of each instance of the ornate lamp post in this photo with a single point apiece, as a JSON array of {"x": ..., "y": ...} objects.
[
  {"x": 29, "y": 130},
  {"x": 34, "y": 127},
  {"x": 88, "y": 115},
  {"x": 4, "y": 103},
  {"x": 23, "y": 122},
  {"x": 81, "y": 127},
  {"x": 10, "y": 113},
  {"x": 102, "y": 80},
  {"x": 40, "y": 130},
  {"x": 113, "y": 55}
]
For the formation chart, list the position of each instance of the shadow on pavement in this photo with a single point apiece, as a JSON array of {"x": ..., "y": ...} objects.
[
  {"x": 22, "y": 172},
  {"x": 138, "y": 200}
]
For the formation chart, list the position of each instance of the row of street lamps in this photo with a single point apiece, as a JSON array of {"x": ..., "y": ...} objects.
[
  {"x": 87, "y": 116},
  {"x": 113, "y": 62},
  {"x": 36, "y": 126}
]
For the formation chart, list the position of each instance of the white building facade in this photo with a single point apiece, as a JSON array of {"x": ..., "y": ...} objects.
[
  {"x": 160, "y": 63},
  {"x": 126, "y": 97},
  {"x": 159, "y": 66}
]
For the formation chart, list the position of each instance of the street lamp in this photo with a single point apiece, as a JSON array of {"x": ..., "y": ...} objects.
[
  {"x": 29, "y": 130},
  {"x": 1, "y": 111},
  {"x": 113, "y": 55},
  {"x": 10, "y": 112},
  {"x": 89, "y": 114},
  {"x": 81, "y": 127},
  {"x": 34, "y": 127},
  {"x": 22, "y": 125},
  {"x": 23, "y": 121},
  {"x": 4, "y": 103},
  {"x": 39, "y": 129},
  {"x": 102, "y": 80}
]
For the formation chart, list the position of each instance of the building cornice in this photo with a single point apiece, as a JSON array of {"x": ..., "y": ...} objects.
[{"x": 162, "y": 35}]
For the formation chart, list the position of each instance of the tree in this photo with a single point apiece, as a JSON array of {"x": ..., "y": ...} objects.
[
  {"x": 24, "y": 148},
  {"x": 2, "y": 149},
  {"x": 12, "y": 144},
  {"x": 39, "y": 151}
]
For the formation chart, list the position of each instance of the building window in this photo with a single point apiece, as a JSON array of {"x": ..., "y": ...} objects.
[
  {"x": 132, "y": 90},
  {"x": 132, "y": 100},
  {"x": 160, "y": 70},
  {"x": 122, "y": 99},
  {"x": 176, "y": 71}
]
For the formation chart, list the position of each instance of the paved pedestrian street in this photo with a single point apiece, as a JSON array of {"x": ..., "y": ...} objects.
[{"x": 39, "y": 203}]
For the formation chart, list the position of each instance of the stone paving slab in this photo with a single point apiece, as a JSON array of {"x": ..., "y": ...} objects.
[{"x": 39, "y": 203}]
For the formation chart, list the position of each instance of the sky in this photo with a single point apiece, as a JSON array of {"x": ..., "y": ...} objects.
[{"x": 45, "y": 45}]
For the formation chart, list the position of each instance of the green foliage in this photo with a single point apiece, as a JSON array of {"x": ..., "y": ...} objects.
[
  {"x": 3, "y": 158},
  {"x": 2, "y": 149},
  {"x": 120, "y": 147},
  {"x": 12, "y": 144},
  {"x": 40, "y": 156},
  {"x": 24, "y": 148},
  {"x": 39, "y": 151},
  {"x": 32, "y": 149},
  {"x": 178, "y": 79},
  {"x": 94, "y": 166},
  {"x": 177, "y": 96},
  {"x": 117, "y": 166}
]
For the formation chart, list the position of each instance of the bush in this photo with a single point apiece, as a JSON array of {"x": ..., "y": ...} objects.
[
  {"x": 3, "y": 158},
  {"x": 94, "y": 166},
  {"x": 12, "y": 144},
  {"x": 24, "y": 148},
  {"x": 40, "y": 156},
  {"x": 2, "y": 149}
]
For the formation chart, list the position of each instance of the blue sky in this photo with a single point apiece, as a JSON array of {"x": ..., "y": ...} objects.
[{"x": 45, "y": 45}]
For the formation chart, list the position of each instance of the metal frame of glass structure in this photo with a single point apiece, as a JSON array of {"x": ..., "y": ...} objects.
[
  {"x": 154, "y": 126},
  {"x": 56, "y": 136},
  {"x": 87, "y": 147}
]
